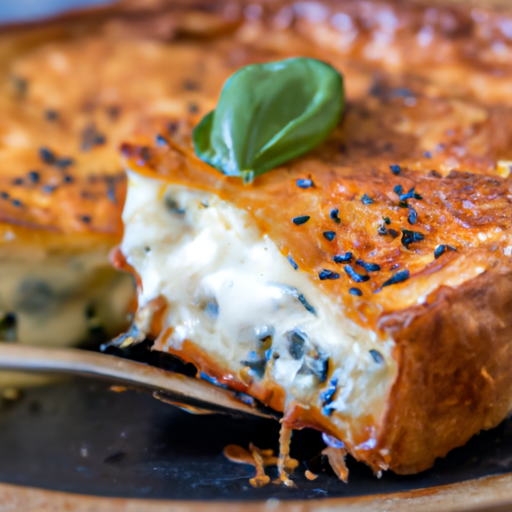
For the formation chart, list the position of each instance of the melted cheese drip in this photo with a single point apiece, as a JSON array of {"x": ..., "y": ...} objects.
[{"x": 228, "y": 286}]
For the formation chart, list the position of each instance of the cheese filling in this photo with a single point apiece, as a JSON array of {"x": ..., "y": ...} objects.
[
  {"x": 61, "y": 299},
  {"x": 231, "y": 292}
]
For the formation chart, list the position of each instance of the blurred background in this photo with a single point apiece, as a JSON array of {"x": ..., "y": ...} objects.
[{"x": 12, "y": 11}]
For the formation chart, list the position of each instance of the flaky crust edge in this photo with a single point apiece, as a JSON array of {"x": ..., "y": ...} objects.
[{"x": 454, "y": 356}]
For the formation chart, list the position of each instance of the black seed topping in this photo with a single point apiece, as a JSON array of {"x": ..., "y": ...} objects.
[
  {"x": 63, "y": 163},
  {"x": 17, "y": 181},
  {"x": 428, "y": 154},
  {"x": 342, "y": 258},
  {"x": 68, "y": 179},
  {"x": 328, "y": 274},
  {"x": 34, "y": 176},
  {"x": 46, "y": 156},
  {"x": 4, "y": 195},
  {"x": 441, "y": 249},
  {"x": 306, "y": 304},
  {"x": 172, "y": 205},
  {"x": 212, "y": 308},
  {"x": 160, "y": 140},
  {"x": 257, "y": 366},
  {"x": 409, "y": 237},
  {"x": 399, "y": 191},
  {"x": 369, "y": 267},
  {"x": 305, "y": 183},
  {"x": 327, "y": 396},
  {"x": 413, "y": 215},
  {"x": 172, "y": 127},
  {"x": 386, "y": 220},
  {"x": 394, "y": 233},
  {"x": 365, "y": 199},
  {"x": 358, "y": 278},
  {"x": 334, "y": 216},
  {"x": 292, "y": 262},
  {"x": 302, "y": 219},
  {"x": 85, "y": 218},
  {"x": 329, "y": 235},
  {"x": 395, "y": 169},
  {"x": 377, "y": 356},
  {"x": 297, "y": 340},
  {"x": 355, "y": 291},
  {"x": 91, "y": 137},
  {"x": 51, "y": 115},
  {"x": 399, "y": 277},
  {"x": 190, "y": 85},
  {"x": 111, "y": 194},
  {"x": 16, "y": 202}
]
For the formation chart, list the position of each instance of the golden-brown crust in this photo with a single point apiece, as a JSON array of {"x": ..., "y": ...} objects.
[
  {"x": 398, "y": 110},
  {"x": 454, "y": 378},
  {"x": 448, "y": 150}
]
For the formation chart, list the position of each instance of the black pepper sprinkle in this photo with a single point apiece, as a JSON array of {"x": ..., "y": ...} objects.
[
  {"x": 16, "y": 202},
  {"x": 369, "y": 267},
  {"x": 301, "y": 219},
  {"x": 193, "y": 108},
  {"x": 365, "y": 199},
  {"x": 292, "y": 262},
  {"x": 358, "y": 278},
  {"x": 68, "y": 179},
  {"x": 409, "y": 237},
  {"x": 342, "y": 258},
  {"x": 394, "y": 233},
  {"x": 377, "y": 356},
  {"x": 441, "y": 249},
  {"x": 34, "y": 176},
  {"x": 386, "y": 220},
  {"x": 17, "y": 181},
  {"x": 334, "y": 215},
  {"x": 428, "y": 154},
  {"x": 85, "y": 218},
  {"x": 329, "y": 235},
  {"x": 46, "y": 155},
  {"x": 383, "y": 230},
  {"x": 328, "y": 274},
  {"x": 306, "y": 304},
  {"x": 399, "y": 277},
  {"x": 395, "y": 169},
  {"x": 49, "y": 189},
  {"x": 355, "y": 291},
  {"x": 305, "y": 183},
  {"x": 4, "y": 195}
]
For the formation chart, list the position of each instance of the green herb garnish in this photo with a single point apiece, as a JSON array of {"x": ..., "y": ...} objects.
[{"x": 268, "y": 114}]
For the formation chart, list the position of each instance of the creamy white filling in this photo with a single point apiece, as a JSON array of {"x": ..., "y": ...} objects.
[
  {"x": 230, "y": 291},
  {"x": 57, "y": 299}
]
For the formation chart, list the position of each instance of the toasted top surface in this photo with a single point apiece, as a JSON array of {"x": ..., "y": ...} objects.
[{"x": 68, "y": 104}]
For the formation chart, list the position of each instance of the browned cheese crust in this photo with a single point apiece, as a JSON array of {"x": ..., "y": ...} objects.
[
  {"x": 427, "y": 89},
  {"x": 452, "y": 146}
]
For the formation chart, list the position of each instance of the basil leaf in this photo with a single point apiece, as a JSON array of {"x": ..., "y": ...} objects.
[{"x": 268, "y": 114}]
